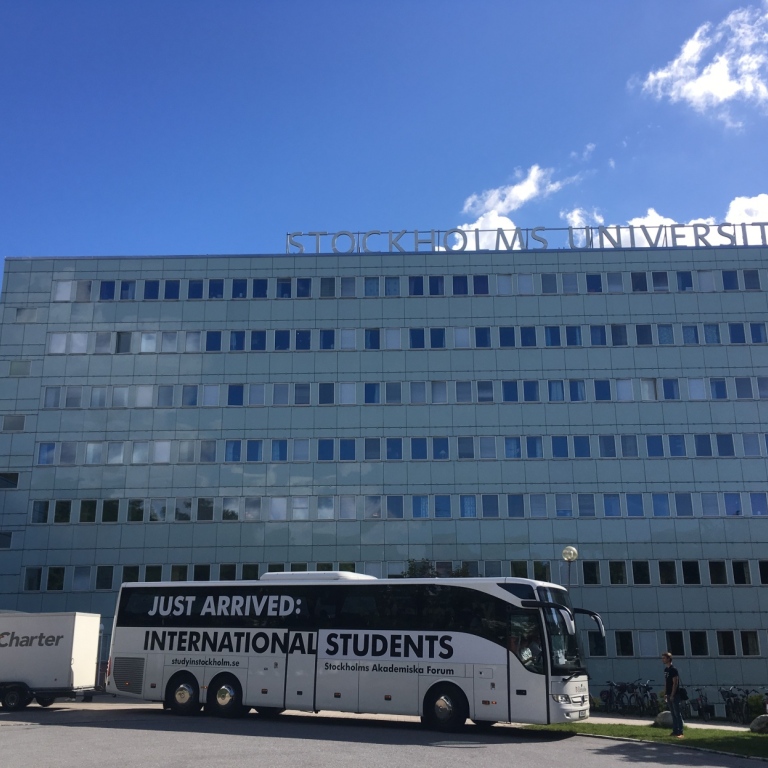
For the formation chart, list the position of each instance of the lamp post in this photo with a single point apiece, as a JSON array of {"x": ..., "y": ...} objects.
[{"x": 569, "y": 555}]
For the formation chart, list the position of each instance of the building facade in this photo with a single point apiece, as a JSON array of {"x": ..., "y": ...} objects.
[{"x": 216, "y": 418}]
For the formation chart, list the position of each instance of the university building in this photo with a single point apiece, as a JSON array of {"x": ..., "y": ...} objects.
[{"x": 220, "y": 417}]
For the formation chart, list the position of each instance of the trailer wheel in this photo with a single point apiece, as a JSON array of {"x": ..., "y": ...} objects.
[
  {"x": 445, "y": 708},
  {"x": 225, "y": 697},
  {"x": 15, "y": 698},
  {"x": 45, "y": 701},
  {"x": 182, "y": 694}
]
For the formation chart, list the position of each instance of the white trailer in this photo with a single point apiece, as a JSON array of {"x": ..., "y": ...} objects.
[{"x": 44, "y": 656}]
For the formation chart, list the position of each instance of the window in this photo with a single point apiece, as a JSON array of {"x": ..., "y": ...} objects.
[
  {"x": 556, "y": 391},
  {"x": 570, "y": 282},
  {"x": 667, "y": 572},
  {"x": 736, "y": 333},
  {"x": 594, "y": 283},
  {"x": 635, "y": 505},
  {"x": 743, "y": 388},
  {"x": 617, "y": 570},
  {"x": 416, "y": 338},
  {"x": 480, "y": 285},
  {"x": 759, "y": 504},
  {"x": 741, "y": 572},
  {"x": 563, "y": 505},
  {"x": 717, "y": 389},
  {"x": 711, "y": 333},
  {"x": 512, "y": 448},
  {"x": 559, "y": 447},
  {"x": 552, "y": 335},
  {"x": 607, "y": 446},
  {"x": 577, "y": 390},
  {"x": 597, "y": 335},
  {"x": 372, "y": 338},
  {"x": 654, "y": 446},
  {"x": 525, "y": 284},
  {"x": 691, "y": 574},
  {"x": 611, "y": 505},
  {"x": 528, "y": 336},
  {"x": 533, "y": 446},
  {"x": 644, "y": 335},
  {"x": 624, "y": 645},
  {"x": 442, "y": 506},
  {"x": 395, "y": 448},
  {"x": 639, "y": 282},
  {"x": 717, "y": 572},
  {"x": 466, "y": 448},
  {"x": 684, "y": 281},
  {"x": 327, "y": 339},
  {"x": 757, "y": 333},
  {"x": 573, "y": 335},
  {"x": 506, "y": 336},
  {"x": 303, "y": 340},
  {"x": 749, "y": 641},
  {"x": 419, "y": 448},
  {"x": 666, "y": 334},
  {"x": 725, "y": 445},
  {"x": 590, "y": 571},
  {"x": 683, "y": 505},
  {"x": 484, "y": 391},
  {"x": 641, "y": 572},
  {"x": 531, "y": 391},
  {"x": 482, "y": 338},
  {"x": 283, "y": 288},
  {"x": 619, "y": 335},
  {"x": 699, "y": 644},
  {"x": 460, "y": 285},
  {"x": 581, "y": 447},
  {"x": 696, "y": 389},
  {"x": 549, "y": 283},
  {"x": 730, "y": 280},
  {"x": 602, "y": 389},
  {"x": 660, "y": 281},
  {"x": 440, "y": 449},
  {"x": 436, "y": 338},
  {"x": 215, "y": 288},
  {"x": 436, "y": 285},
  {"x": 726, "y": 646},
  {"x": 509, "y": 392}
]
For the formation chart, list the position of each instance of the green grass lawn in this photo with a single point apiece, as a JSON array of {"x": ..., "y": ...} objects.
[{"x": 734, "y": 742}]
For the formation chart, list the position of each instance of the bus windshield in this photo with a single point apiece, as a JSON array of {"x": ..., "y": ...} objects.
[{"x": 564, "y": 650}]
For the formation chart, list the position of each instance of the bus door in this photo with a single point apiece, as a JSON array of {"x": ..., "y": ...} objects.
[
  {"x": 266, "y": 675},
  {"x": 528, "y": 679},
  {"x": 300, "y": 671}
]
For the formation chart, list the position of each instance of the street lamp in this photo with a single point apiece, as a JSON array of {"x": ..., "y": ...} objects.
[{"x": 569, "y": 555}]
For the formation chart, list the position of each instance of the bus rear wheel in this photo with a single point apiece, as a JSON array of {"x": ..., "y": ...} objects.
[
  {"x": 225, "y": 697},
  {"x": 445, "y": 708},
  {"x": 182, "y": 694}
]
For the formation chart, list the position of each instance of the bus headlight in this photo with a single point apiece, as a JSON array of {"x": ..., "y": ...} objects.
[{"x": 561, "y": 698}]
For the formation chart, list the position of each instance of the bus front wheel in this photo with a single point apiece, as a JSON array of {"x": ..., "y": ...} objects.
[
  {"x": 182, "y": 695},
  {"x": 445, "y": 708},
  {"x": 225, "y": 697}
]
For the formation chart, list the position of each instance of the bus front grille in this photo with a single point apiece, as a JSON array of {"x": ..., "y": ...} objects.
[{"x": 129, "y": 674}]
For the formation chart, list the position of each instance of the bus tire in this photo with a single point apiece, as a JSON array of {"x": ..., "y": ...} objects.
[
  {"x": 182, "y": 694},
  {"x": 15, "y": 698},
  {"x": 445, "y": 708},
  {"x": 225, "y": 697},
  {"x": 44, "y": 701}
]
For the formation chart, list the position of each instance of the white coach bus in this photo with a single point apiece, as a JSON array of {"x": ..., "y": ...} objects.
[{"x": 493, "y": 650}]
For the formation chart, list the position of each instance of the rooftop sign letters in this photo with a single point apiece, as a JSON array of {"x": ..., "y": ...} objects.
[{"x": 538, "y": 238}]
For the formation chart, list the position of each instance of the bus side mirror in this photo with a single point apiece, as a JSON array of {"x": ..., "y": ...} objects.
[
  {"x": 570, "y": 625},
  {"x": 594, "y": 616}
]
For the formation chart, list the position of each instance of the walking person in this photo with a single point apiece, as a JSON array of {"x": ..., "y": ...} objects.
[{"x": 672, "y": 694}]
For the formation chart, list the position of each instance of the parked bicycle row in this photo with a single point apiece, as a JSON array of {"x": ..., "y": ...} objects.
[{"x": 741, "y": 705}]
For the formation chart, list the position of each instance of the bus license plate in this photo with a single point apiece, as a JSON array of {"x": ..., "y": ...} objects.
[{"x": 582, "y": 713}]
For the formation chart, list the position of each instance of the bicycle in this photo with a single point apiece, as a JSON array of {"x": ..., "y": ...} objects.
[
  {"x": 700, "y": 705},
  {"x": 615, "y": 697},
  {"x": 744, "y": 709},
  {"x": 732, "y": 706},
  {"x": 645, "y": 698}
]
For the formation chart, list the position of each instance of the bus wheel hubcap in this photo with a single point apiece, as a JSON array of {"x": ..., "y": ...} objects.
[
  {"x": 443, "y": 708},
  {"x": 224, "y": 695},
  {"x": 183, "y": 694}
]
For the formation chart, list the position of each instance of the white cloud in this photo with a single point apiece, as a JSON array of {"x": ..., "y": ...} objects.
[
  {"x": 585, "y": 154},
  {"x": 488, "y": 221},
  {"x": 651, "y": 219},
  {"x": 580, "y": 217},
  {"x": 748, "y": 209},
  {"x": 719, "y": 66},
  {"x": 503, "y": 200}
]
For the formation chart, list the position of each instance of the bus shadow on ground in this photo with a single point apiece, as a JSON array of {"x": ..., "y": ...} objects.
[{"x": 286, "y": 726}]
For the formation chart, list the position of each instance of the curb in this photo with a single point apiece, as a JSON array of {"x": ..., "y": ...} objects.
[{"x": 664, "y": 744}]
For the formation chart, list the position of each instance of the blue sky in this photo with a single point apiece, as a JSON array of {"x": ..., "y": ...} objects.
[{"x": 132, "y": 127}]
